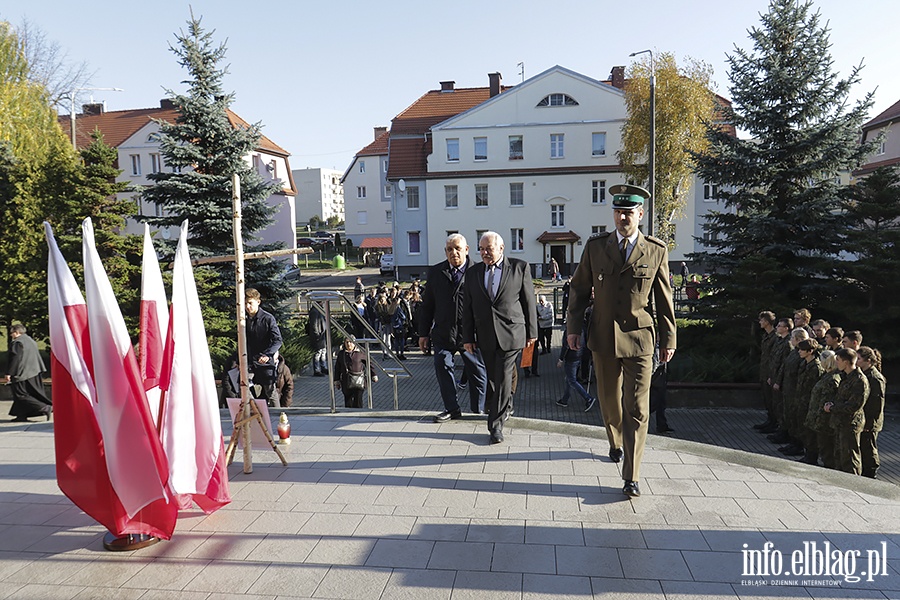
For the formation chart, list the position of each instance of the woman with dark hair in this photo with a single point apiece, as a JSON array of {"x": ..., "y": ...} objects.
[
  {"x": 810, "y": 372},
  {"x": 870, "y": 362},
  {"x": 349, "y": 373}
]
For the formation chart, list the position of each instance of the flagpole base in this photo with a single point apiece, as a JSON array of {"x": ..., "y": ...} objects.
[{"x": 129, "y": 542}]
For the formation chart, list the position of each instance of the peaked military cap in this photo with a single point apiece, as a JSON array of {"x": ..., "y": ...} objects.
[{"x": 628, "y": 197}]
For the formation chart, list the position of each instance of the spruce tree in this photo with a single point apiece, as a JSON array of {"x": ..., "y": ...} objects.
[
  {"x": 206, "y": 149},
  {"x": 775, "y": 244}
]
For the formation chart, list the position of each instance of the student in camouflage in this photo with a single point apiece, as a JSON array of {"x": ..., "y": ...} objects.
[
  {"x": 869, "y": 361},
  {"x": 817, "y": 420},
  {"x": 847, "y": 416},
  {"x": 810, "y": 373},
  {"x": 780, "y": 349},
  {"x": 790, "y": 371},
  {"x": 767, "y": 324}
]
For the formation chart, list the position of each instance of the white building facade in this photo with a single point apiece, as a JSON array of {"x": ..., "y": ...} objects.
[
  {"x": 367, "y": 193},
  {"x": 319, "y": 194}
]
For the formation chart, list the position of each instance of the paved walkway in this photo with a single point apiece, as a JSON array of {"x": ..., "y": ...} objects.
[{"x": 391, "y": 505}]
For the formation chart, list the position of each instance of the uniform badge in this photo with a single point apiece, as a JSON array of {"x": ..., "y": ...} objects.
[{"x": 600, "y": 277}]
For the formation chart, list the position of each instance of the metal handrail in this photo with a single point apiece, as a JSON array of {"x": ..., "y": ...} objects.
[{"x": 316, "y": 297}]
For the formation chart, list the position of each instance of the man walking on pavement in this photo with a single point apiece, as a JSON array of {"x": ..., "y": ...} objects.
[
  {"x": 440, "y": 322},
  {"x": 627, "y": 272}
]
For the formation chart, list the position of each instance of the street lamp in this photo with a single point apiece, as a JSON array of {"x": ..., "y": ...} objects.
[
  {"x": 652, "y": 158},
  {"x": 72, "y": 106}
]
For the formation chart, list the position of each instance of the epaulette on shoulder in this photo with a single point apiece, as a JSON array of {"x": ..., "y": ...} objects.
[
  {"x": 656, "y": 241},
  {"x": 597, "y": 236}
]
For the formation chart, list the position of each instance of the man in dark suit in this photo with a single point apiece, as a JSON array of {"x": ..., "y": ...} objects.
[
  {"x": 440, "y": 321},
  {"x": 500, "y": 319},
  {"x": 628, "y": 273}
]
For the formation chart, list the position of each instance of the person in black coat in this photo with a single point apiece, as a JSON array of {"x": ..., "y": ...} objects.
[
  {"x": 500, "y": 319},
  {"x": 440, "y": 323},
  {"x": 25, "y": 369},
  {"x": 263, "y": 343},
  {"x": 316, "y": 327},
  {"x": 349, "y": 373}
]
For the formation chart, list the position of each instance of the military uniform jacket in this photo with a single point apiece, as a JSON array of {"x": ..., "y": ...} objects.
[
  {"x": 780, "y": 349},
  {"x": 765, "y": 355},
  {"x": 849, "y": 401},
  {"x": 791, "y": 372},
  {"x": 810, "y": 373},
  {"x": 622, "y": 322},
  {"x": 874, "y": 408},
  {"x": 823, "y": 392}
]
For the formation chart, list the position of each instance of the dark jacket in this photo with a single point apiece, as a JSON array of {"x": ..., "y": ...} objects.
[
  {"x": 440, "y": 314},
  {"x": 874, "y": 407},
  {"x": 25, "y": 360},
  {"x": 315, "y": 328},
  {"x": 263, "y": 335},
  {"x": 507, "y": 321},
  {"x": 349, "y": 362},
  {"x": 849, "y": 401}
]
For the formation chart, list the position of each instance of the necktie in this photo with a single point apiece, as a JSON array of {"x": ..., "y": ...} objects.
[
  {"x": 457, "y": 275},
  {"x": 491, "y": 270},
  {"x": 624, "y": 250}
]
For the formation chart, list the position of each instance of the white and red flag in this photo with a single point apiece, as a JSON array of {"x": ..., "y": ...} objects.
[
  {"x": 154, "y": 324},
  {"x": 81, "y": 466},
  {"x": 135, "y": 460},
  {"x": 191, "y": 429}
]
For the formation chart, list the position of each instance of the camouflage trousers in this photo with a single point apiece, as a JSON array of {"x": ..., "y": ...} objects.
[
  {"x": 868, "y": 448},
  {"x": 846, "y": 450}
]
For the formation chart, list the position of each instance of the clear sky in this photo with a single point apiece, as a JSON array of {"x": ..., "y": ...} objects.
[{"x": 321, "y": 75}]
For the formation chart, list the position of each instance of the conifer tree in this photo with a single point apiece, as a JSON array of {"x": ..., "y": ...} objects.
[{"x": 775, "y": 244}]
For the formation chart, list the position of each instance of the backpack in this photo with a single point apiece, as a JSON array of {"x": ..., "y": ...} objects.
[{"x": 398, "y": 321}]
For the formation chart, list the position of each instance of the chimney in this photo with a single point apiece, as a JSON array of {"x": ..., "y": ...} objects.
[
  {"x": 95, "y": 108},
  {"x": 617, "y": 77},
  {"x": 167, "y": 103},
  {"x": 447, "y": 86},
  {"x": 379, "y": 131},
  {"x": 495, "y": 79}
]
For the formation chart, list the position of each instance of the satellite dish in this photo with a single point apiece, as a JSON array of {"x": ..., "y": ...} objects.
[
  {"x": 401, "y": 185},
  {"x": 166, "y": 234}
]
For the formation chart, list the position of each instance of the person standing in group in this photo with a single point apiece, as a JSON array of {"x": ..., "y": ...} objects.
[
  {"x": 569, "y": 361},
  {"x": 263, "y": 343},
  {"x": 870, "y": 362},
  {"x": 545, "y": 324},
  {"x": 817, "y": 420},
  {"x": 847, "y": 415},
  {"x": 685, "y": 273},
  {"x": 358, "y": 288},
  {"x": 349, "y": 373},
  {"x": 766, "y": 321},
  {"x": 25, "y": 369},
  {"x": 629, "y": 276},
  {"x": 316, "y": 329},
  {"x": 553, "y": 267},
  {"x": 440, "y": 324},
  {"x": 500, "y": 319}
]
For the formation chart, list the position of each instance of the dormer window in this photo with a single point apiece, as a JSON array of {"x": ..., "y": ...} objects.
[{"x": 557, "y": 100}]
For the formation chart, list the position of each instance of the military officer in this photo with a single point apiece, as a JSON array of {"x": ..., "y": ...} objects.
[{"x": 628, "y": 273}]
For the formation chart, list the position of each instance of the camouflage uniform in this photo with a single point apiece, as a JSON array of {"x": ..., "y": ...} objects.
[
  {"x": 790, "y": 374},
  {"x": 810, "y": 372},
  {"x": 818, "y": 420},
  {"x": 874, "y": 412},
  {"x": 765, "y": 372},
  {"x": 848, "y": 418},
  {"x": 780, "y": 349}
]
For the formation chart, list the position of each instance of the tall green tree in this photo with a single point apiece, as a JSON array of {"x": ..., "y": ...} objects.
[
  {"x": 206, "y": 149},
  {"x": 873, "y": 209},
  {"x": 775, "y": 244},
  {"x": 685, "y": 103}
]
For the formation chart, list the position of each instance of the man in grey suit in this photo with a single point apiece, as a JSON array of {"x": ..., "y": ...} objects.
[
  {"x": 629, "y": 275},
  {"x": 500, "y": 319}
]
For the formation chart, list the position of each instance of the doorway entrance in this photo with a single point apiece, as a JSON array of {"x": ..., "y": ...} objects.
[{"x": 559, "y": 253}]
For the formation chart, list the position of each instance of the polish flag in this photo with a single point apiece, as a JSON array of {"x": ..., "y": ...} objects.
[
  {"x": 80, "y": 456},
  {"x": 191, "y": 429},
  {"x": 135, "y": 460},
  {"x": 154, "y": 323}
]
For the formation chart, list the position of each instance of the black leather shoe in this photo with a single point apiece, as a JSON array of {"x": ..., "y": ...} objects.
[
  {"x": 665, "y": 430},
  {"x": 780, "y": 437},
  {"x": 791, "y": 450},
  {"x": 764, "y": 425},
  {"x": 47, "y": 410},
  {"x": 616, "y": 454},
  {"x": 447, "y": 415},
  {"x": 631, "y": 489},
  {"x": 770, "y": 429},
  {"x": 19, "y": 420},
  {"x": 496, "y": 436}
]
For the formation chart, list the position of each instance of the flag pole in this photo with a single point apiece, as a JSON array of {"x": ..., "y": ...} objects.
[{"x": 241, "y": 320}]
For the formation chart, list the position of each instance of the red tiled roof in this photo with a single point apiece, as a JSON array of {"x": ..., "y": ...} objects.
[
  {"x": 377, "y": 242},
  {"x": 867, "y": 169},
  {"x": 378, "y": 147},
  {"x": 558, "y": 236},
  {"x": 119, "y": 125},
  {"x": 407, "y": 156},
  {"x": 891, "y": 114}
]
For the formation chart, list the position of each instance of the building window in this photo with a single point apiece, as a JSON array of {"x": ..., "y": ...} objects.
[
  {"x": 516, "y": 240},
  {"x": 710, "y": 237},
  {"x": 362, "y": 166},
  {"x": 557, "y": 145},
  {"x": 598, "y": 191},
  {"x": 135, "y": 164},
  {"x": 412, "y": 197},
  {"x": 387, "y": 190},
  {"x": 414, "y": 238},
  {"x": 881, "y": 148},
  {"x": 272, "y": 168},
  {"x": 595, "y": 229},
  {"x": 362, "y": 217},
  {"x": 516, "y": 194},
  {"x": 155, "y": 163},
  {"x": 451, "y": 196},
  {"x": 360, "y": 191},
  {"x": 598, "y": 144},
  {"x": 558, "y": 215},
  {"x": 481, "y": 194},
  {"x": 384, "y": 166},
  {"x": 557, "y": 100},
  {"x": 481, "y": 148},
  {"x": 388, "y": 216},
  {"x": 452, "y": 231},
  {"x": 515, "y": 147},
  {"x": 478, "y": 234},
  {"x": 157, "y": 209},
  {"x": 453, "y": 150},
  {"x": 710, "y": 192}
]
